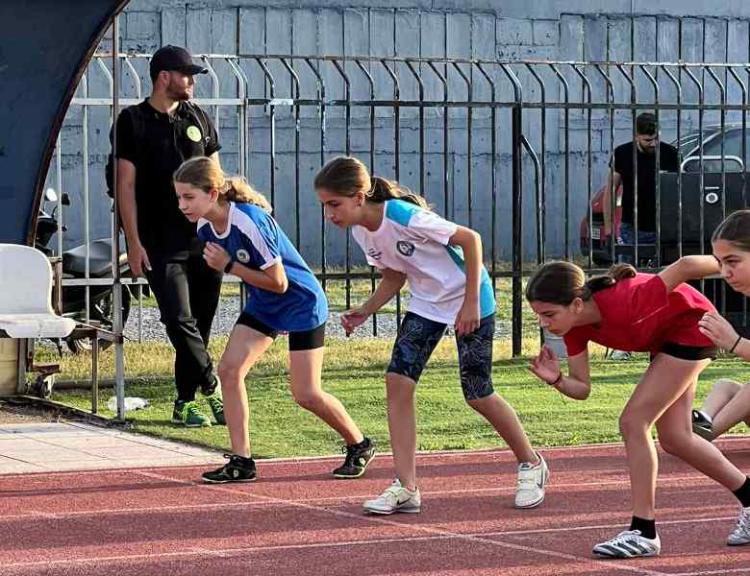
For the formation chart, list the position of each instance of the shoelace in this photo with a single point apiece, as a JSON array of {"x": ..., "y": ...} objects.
[
  {"x": 351, "y": 454},
  {"x": 526, "y": 476},
  {"x": 743, "y": 522},
  {"x": 625, "y": 537},
  {"x": 216, "y": 405},
  {"x": 391, "y": 493},
  {"x": 235, "y": 460}
]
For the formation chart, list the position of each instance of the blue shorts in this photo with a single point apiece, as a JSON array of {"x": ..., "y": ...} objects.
[{"x": 417, "y": 338}]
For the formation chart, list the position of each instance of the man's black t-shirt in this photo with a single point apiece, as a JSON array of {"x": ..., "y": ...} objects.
[
  {"x": 157, "y": 148},
  {"x": 669, "y": 161}
]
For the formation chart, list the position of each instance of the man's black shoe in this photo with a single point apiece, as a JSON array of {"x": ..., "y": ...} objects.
[
  {"x": 358, "y": 456},
  {"x": 210, "y": 388}
]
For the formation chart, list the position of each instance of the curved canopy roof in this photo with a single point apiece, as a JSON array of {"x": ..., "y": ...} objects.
[{"x": 46, "y": 46}]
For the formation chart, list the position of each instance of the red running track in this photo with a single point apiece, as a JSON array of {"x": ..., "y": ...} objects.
[{"x": 296, "y": 520}]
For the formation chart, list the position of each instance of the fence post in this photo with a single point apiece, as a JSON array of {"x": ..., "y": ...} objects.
[{"x": 517, "y": 287}]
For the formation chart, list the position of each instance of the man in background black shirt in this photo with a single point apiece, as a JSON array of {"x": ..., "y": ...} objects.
[
  {"x": 644, "y": 173},
  {"x": 153, "y": 139}
]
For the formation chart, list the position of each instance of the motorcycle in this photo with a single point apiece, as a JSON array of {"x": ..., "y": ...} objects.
[{"x": 101, "y": 297}]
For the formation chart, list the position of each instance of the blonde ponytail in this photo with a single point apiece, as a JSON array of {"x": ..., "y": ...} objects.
[
  {"x": 238, "y": 190},
  {"x": 206, "y": 174}
]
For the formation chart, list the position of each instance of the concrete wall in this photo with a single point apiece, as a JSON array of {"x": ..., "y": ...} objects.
[{"x": 508, "y": 31}]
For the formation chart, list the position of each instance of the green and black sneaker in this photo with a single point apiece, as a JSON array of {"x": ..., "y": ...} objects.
[
  {"x": 216, "y": 402},
  {"x": 358, "y": 456},
  {"x": 188, "y": 414},
  {"x": 238, "y": 469}
]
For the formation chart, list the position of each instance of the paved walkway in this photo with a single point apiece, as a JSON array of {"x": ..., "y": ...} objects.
[{"x": 61, "y": 446}]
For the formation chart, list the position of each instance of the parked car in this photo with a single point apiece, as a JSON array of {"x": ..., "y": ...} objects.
[{"x": 714, "y": 183}]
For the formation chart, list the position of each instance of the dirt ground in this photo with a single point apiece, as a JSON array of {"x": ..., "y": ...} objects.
[{"x": 20, "y": 414}]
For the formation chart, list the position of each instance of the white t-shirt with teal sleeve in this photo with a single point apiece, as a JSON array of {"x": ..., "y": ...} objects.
[{"x": 414, "y": 241}]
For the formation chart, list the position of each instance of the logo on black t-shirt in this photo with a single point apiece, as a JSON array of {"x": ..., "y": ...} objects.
[
  {"x": 405, "y": 248},
  {"x": 243, "y": 256},
  {"x": 194, "y": 133}
]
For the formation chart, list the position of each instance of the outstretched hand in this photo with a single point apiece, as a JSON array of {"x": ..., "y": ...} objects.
[
  {"x": 546, "y": 365},
  {"x": 714, "y": 326},
  {"x": 215, "y": 256},
  {"x": 353, "y": 318}
]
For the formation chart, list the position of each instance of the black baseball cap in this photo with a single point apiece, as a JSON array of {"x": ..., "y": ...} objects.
[{"x": 171, "y": 58}]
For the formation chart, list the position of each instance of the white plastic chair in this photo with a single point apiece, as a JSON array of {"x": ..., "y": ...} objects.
[{"x": 26, "y": 295}]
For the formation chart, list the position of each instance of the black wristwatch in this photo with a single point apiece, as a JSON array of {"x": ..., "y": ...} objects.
[{"x": 228, "y": 267}]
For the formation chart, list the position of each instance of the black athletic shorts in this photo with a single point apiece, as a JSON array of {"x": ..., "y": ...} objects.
[
  {"x": 304, "y": 340},
  {"x": 684, "y": 352}
]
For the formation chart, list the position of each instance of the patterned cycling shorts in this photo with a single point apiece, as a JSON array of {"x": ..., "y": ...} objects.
[{"x": 417, "y": 338}]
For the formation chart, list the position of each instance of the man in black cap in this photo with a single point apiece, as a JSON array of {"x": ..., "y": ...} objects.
[{"x": 153, "y": 139}]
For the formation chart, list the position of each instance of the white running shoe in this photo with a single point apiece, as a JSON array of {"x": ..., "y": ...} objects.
[
  {"x": 396, "y": 498},
  {"x": 620, "y": 355},
  {"x": 628, "y": 544},
  {"x": 532, "y": 478},
  {"x": 741, "y": 534}
]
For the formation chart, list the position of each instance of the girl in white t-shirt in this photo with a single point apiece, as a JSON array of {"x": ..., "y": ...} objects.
[{"x": 449, "y": 286}]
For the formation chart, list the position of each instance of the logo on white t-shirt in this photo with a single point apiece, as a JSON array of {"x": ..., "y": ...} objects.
[
  {"x": 243, "y": 256},
  {"x": 405, "y": 248},
  {"x": 374, "y": 254}
]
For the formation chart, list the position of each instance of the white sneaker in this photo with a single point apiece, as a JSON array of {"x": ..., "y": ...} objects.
[
  {"x": 628, "y": 544},
  {"x": 532, "y": 478},
  {"x": 396, "y": 498},
  {"x": 620, "y": 355},
  {"x": 741, "y": 534}
]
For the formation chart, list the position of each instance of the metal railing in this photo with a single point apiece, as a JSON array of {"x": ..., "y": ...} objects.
[{"x": 516, "y": 150}]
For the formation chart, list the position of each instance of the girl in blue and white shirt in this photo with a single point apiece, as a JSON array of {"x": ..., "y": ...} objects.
[
  {"x": 448, "y": 286},
  {"x": 284, "y": 296}
]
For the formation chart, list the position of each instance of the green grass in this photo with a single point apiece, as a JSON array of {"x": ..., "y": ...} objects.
[
  {"x": 354, "y": 373},
  {"x": 360, "y": 290}
]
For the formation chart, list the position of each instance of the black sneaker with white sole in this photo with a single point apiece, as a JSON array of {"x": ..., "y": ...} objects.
[
  {"x": 703, "y": 426},
  {"x": 238, "y": 469},
  {"x": 358, "y": 456}
]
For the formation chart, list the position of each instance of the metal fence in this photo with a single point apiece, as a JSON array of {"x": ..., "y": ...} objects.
[{"x": 515, "y": 150}]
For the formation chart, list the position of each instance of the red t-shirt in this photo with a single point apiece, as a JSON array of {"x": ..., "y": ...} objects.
[{"x": 640, "y": 316}]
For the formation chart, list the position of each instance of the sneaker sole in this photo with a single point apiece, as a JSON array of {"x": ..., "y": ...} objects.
[
  {"x": 605, "y": 556},
  {"x": 703, "y": 433},
  {"x": 529, "y": 506},
  {"x": 182, "y": 423},
  {"x": 244, "y": 481},
  {"x": 735, "y": 544},
  {"x": 396, "y": 511}
]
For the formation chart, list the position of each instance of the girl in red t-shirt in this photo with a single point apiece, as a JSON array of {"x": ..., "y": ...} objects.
[{"x": 640, "y": 312}]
